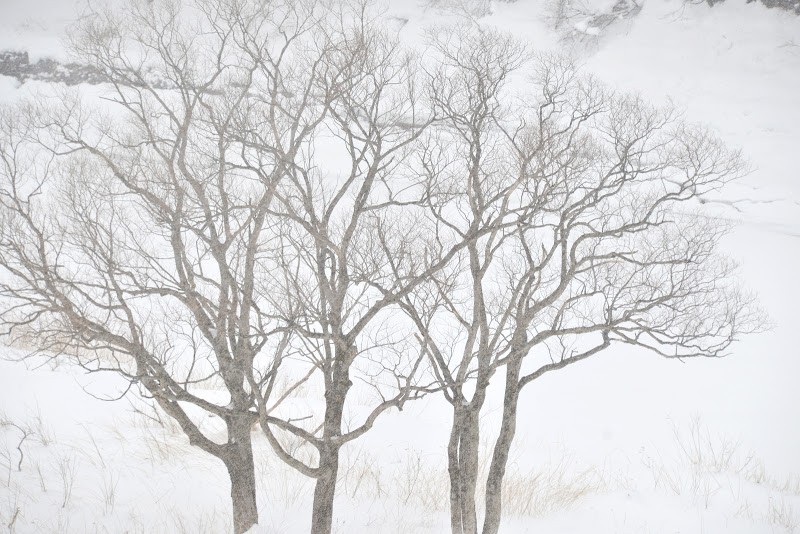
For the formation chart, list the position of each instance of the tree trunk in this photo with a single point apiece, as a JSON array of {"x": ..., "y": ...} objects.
[
  {"x": 325, "y": 488},
  {"x": 325, "y": 492},
  {"x": 456, "y": 524},
  {"x": 497, "y": 468},
  {"x": 462, "y": 457},
  {"x": 239, "y": 461}
]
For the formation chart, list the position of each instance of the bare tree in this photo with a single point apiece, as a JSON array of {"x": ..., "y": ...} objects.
[
  {"x": 242, "y": 216},
  {"x": 134, "y": 239},
  {"x": 352, "y": 245},
  {"x": 278, "y": 193},
  {"x": 586, "y": 202}
]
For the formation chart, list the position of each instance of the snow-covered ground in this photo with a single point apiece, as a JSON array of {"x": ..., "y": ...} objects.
[{"x": 622, "y": 443}]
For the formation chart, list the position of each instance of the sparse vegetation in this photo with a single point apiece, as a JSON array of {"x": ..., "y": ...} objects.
[
  {"x": 792, "y": 6},
  {"x": 279, "y": 225}
]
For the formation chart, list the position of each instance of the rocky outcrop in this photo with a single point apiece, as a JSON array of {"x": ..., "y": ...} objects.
[{"x": 17, "y": 65}]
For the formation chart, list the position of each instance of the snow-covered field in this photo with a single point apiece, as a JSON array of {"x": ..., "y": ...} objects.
[{"x": 622, "y": 443}]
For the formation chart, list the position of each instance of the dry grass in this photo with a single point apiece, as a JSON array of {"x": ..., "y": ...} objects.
[
  {"x": 552, "y": 488},
  {"x": 782, "y": 515},
  {"x": 405, "y": 493},
  {"x": 420, "y": 484},
  {"x": 709, "y": 467}
]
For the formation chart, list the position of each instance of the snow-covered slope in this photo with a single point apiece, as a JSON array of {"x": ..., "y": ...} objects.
[{"x": 625, "y": 442}]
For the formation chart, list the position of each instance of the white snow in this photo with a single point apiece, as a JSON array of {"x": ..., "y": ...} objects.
[
  {"x": 584, "y": 27},
  {"x": 622, "y": 443}
]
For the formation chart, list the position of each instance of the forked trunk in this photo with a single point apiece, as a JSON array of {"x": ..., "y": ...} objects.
[
  {"x": 456, "y": 524},
  {"x": 462, "y": 457},
  {"x": 497, "y": 468}
]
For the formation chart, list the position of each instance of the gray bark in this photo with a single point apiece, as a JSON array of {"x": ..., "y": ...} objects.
[
  {"x": 325, "y": 488},
  {"x": 497, "y": 468},
  {"x": 462, "y": 453},
  {"x": 238, "y": 460},
  {"x": 325, "y": 491}
]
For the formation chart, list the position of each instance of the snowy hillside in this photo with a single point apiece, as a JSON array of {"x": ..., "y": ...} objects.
[{"x": 625, "y": 442}]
